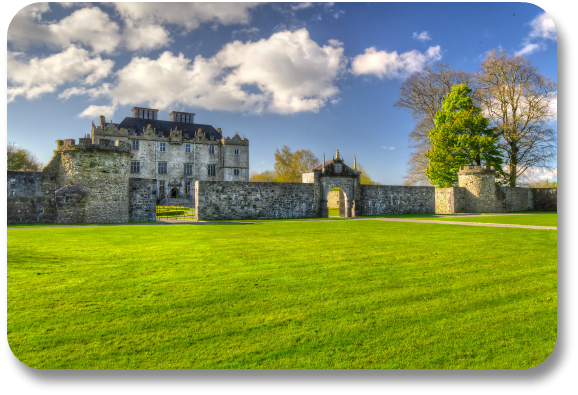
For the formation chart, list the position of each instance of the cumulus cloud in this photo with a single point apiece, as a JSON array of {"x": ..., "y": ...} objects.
[
  {"x": 391, "y": 64},
  {"x": 388, "y": 148},
  {"x": 89, "y": 27},
  {"x": 186, "y": 15},
  {"x": 38, "y": 76},
  {"x": 82, "y": 91},
  {"x": 145, "y": 37},
  {"x": 96, "y": 111},
  {"x": 286, "y": 73},
  {"x": 423, "y": 36},
  {"x": 301, "y": 6},
  {"x": 543, "y": 30}
]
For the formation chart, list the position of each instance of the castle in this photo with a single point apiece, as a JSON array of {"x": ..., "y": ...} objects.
[
  {"x": 94, "y": 182},
  {"x": 177, "y": 152}
]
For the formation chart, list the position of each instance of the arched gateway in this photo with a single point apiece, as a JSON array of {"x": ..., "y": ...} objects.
[{"x": 336, "y": 174}]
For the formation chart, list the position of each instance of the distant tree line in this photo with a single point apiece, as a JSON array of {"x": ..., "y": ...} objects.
[{"x": 21, "y": 159}]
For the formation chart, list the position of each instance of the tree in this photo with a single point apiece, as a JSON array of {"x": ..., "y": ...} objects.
[
  {"x": 20, "y": 159},
  {"x": 422, "y": 94},
  {"x": 461, "y": 137},
  {"x": 266, "y": 176},
  {"x": 289, "y": 164},
  {"x": 519, "y": 102},
  {"x": 542, "y": 184}
]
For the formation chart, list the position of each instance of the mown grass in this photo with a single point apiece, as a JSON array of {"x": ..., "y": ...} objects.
[
  {"x": 533, "y": 220},
  {"x": 339, "y": 294}
]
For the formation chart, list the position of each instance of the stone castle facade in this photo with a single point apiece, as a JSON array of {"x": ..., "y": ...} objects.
[{"x": 177, "y": 152}]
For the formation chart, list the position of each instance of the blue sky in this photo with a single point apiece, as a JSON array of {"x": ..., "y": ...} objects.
[{"x": 319, "y": 76}]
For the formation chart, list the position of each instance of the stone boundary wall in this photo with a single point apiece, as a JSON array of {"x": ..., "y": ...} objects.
[
  {"x": 523, "y": 199},
  {"x": 142, "y": 201},
  {"x": 30, "y": 197},
  {"x": 449, "y": 200},
  {"x": 545, "y": 199},
  {"x": 393, "y": 199},
  {"x": 223, "y": 200}
]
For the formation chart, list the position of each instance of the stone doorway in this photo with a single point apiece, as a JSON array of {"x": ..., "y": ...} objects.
[
  {"x": 174, "y": 193},
  {"x": 337, "y": 203}
]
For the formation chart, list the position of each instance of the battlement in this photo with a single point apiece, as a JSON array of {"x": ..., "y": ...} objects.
[
  {"x": 477, "y": 170},
  {"x": 86, "y": 144},
  {"x": 235, "y": 140}
]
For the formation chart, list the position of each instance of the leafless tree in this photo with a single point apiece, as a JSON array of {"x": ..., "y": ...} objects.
[{"x": 519, "y": 101}]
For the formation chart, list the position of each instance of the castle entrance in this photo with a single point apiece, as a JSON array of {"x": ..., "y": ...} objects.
[
  {"x": 337, "y": 203},
  {"x": 174, "y": 193}
]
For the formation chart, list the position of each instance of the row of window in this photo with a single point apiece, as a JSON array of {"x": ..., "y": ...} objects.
[
  {"x": 163, "y": 147},
  {"x": 162, "y": 168}
]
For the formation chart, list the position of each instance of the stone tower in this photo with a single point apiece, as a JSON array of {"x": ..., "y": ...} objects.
[
  {"x": 93, "y": 180},
  {"x": 481, "y": 193}
]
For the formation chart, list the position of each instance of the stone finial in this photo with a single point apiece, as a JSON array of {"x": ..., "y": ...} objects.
[
  {"x": 354, "y": 163},
  {"x": 323, "y": 168},
  {"x": 102, "y": 122}
]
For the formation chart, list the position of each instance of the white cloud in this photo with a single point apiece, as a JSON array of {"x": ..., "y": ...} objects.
[
  {"x": 338, "y": 13},
  {"x": 248, "y": 31},
  {"x": 89, "y": 27},
  {"x": 388, "y": 148},
  {"x": 92, "y": 92},
  {"x": 533, "y": 174},
  {"x": 301, "y": 6},
  {"x": 287, "y": 73},
  {"x": 37, "y": 76},
  {"x": 543, "y": 29},
  {"x": 145, "y": 37},
  {"x": 96, "y": 111},
  {"x": 186, "y": 15},
  {"x": 423, "y": 36},
  {"x": 391, "y": 65}
]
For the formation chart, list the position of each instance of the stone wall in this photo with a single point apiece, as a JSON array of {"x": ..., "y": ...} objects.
[
  {"x": 389, "y": 199},
  {"x": 545, "y": 199},
  {"x": 71, "y": 204},
  {"x": 222, "y": 200},
  {"x": 449, "y": 200},
  {"x": 30, "y": 197},
  {"x": 142, "y": 200}
]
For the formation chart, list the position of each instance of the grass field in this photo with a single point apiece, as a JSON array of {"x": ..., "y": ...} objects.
[
  {"x": 535, "y": 219},
  {"x": 338, "y": 294}
]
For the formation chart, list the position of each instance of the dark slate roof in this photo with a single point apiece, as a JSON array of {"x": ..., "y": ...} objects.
[
  {"x": 318, "y": 167},
  {"x": 139, "y": 124}
]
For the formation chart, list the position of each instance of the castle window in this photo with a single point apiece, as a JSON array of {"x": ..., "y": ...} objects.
[
  {"x": 186, "y": 135},
  {"x": 236, "y": 172},
  {"x": 187, "y": 188},
  {"x": 162, "y": 168},
  {"x": 135, "y": 144},
  {"x": 236, "y": 152},
  {"x": 212, "y": 137},
  {"x": 162, "y": 147},
  {"x": 211, "y": 149},
  {"x": 188, "y": 169},
  {"x": 160, "y": 134},
  {"x": 132, "y": 130},
  {"x": 161, "y": 188},
  {"x": 135, "y": 167},
  {"x": 187, "y": 148},
  {"x": 211, "y": 169}
]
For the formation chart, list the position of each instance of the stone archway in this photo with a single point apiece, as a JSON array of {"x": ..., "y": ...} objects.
[{"x": 174, "y": 193}]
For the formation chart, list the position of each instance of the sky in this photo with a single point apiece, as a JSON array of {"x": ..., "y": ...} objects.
[{"x": 318, "y": 76}]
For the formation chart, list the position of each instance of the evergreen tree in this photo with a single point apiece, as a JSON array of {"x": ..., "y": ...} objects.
[{"x": 461, "y": 137}]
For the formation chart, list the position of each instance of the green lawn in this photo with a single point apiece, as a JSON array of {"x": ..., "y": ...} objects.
[
  {"x": 535, "y": 219},
  {"x": 338, "y": 294}
]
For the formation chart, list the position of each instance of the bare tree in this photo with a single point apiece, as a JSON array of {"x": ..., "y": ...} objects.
[
  {"x": 422, "y": 94},
  {"x": 519, "y": 102}
]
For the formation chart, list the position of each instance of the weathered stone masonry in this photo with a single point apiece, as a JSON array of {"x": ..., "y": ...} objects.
[{"x": 84, "y": 183}]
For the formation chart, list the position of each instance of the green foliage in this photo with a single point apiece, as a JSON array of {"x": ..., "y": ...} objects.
[
  {"x": 461, "y": 137},
  {"x": 543, "y": 184},
  {"x": 274, "y": 295},
  {"x": 266, "y": 176},
  {"x": 20, "y": 159},
  {"x": 289, "y": 165}
]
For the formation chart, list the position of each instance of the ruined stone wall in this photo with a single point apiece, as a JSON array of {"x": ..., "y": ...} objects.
[
  {"x": 221, "y": 200},
  {"x": 390, "y": 199},
  {"x": 142, "y": 200},
  {"x": 103, "y": 170},
  {"x": 30, "y": 197}
]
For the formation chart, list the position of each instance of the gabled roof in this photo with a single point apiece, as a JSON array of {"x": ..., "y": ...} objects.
[
  {"x": 139, "y": 124},
  {"x": 320, "y": 166}
]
